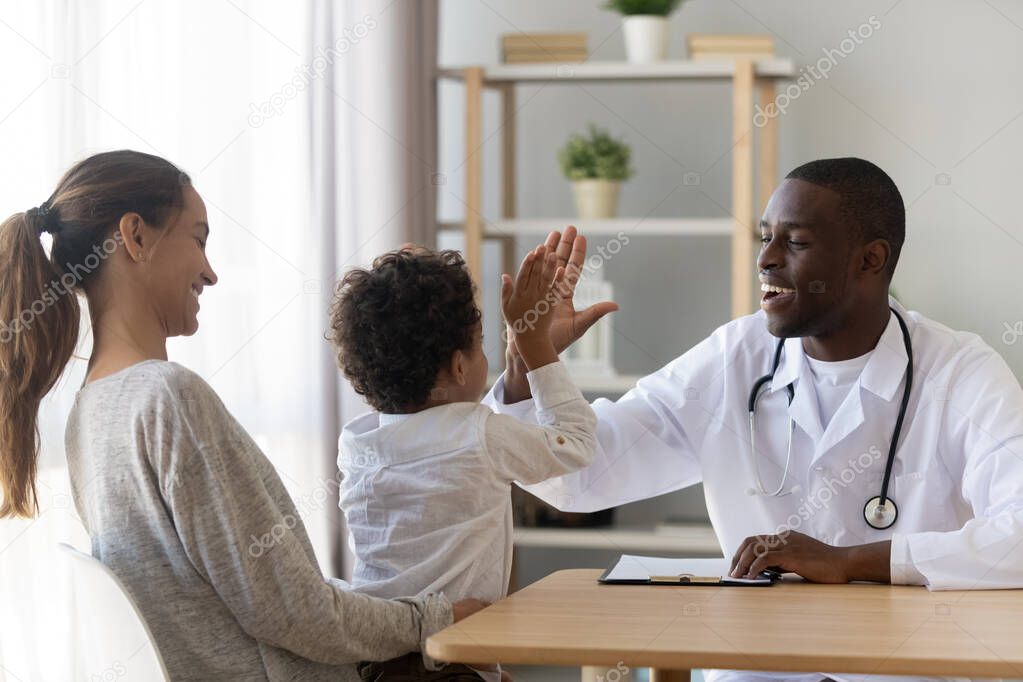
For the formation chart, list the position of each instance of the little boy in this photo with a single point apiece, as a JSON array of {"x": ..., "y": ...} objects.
[{"x": 427, "y": 476}]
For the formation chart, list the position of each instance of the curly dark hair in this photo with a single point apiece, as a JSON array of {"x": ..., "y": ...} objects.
[{"x": 398, "y": 323}]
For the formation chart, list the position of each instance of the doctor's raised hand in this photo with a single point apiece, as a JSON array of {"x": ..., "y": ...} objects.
[{"x": 567, "y": 325}]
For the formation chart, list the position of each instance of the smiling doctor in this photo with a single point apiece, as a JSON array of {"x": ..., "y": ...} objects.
[{"x": 885, "y": 446}]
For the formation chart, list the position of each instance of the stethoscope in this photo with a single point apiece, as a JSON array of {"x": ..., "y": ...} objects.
[{"x": 879, "y": 512}]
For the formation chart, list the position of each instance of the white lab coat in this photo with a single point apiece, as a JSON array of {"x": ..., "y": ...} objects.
[{"x": 957, "y": 478}]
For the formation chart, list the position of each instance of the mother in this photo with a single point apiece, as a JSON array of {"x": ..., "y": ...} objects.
[{"x": 171, "y": 488}]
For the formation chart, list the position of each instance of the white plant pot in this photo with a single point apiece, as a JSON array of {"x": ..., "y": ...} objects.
[
  {"x": 596, "y": 198},
  {"x": 646, "y": 38}
]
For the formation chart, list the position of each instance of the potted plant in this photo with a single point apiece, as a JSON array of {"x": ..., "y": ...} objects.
[
  {"x": 596, "y": 164},
  {"x": 645, "y": 24}
]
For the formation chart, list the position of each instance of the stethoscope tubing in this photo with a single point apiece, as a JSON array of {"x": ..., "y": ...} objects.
[{"x": 882, "y": 520}]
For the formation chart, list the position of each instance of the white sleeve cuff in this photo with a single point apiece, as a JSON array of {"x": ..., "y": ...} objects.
[
  {"x": 495, "y": 401},
  {"x": 903, "y": 570},
  {"x": 551, "y": 386}
]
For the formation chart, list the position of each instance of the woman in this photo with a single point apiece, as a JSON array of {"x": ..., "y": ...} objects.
[{"x": 171, "y": 489}]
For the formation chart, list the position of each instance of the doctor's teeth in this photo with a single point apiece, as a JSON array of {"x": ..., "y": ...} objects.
[{"x": 777, "y": 290}]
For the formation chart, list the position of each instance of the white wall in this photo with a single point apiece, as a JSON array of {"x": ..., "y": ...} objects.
[{"x": 935, "y": 90}]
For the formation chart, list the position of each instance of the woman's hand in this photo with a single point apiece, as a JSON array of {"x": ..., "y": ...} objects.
[{"x": 461, "y": 610}]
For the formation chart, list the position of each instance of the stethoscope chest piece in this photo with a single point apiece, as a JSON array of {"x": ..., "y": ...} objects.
[
  {"x": 877, "y": 515},
  {"x": 880, "y": 516}
]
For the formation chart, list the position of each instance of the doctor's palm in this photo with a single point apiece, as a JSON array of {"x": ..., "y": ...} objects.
[{"x": 568, "y": 324}]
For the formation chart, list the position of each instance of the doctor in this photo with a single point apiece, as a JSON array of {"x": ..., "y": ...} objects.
[{"x": 800, "y": 487}]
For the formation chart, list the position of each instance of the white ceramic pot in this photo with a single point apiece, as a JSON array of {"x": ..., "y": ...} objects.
[
  {"x": 596, "y": 198},
  {"x": 646, "y": 38}
]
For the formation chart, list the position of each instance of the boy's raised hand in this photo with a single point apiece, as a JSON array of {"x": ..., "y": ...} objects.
[{"x": 527, "y": 303}]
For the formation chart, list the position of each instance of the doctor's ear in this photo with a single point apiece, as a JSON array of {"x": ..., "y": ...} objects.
[
  {"x": 132, "y": 230},
  {"x": 875, "y": 257}
]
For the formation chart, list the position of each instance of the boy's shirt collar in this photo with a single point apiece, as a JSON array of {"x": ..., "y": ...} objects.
[{"x": 377, "y": 439}]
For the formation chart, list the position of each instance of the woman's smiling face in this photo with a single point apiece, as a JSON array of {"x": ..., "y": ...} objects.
[{"x": 179, "y": 269}]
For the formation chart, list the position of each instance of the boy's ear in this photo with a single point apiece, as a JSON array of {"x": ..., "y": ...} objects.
[{"x": 458, "y": 367}]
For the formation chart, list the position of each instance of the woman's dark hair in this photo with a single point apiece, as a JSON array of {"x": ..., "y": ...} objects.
[
  {"x": 39, "y": 311},
  {"x": 397, "y": 324}
]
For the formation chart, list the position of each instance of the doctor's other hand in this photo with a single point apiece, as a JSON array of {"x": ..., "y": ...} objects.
[
  {"x": 791, "y": 552},
  {"x": 568, "y": 324},
  {"x": 464, "y": 608}
]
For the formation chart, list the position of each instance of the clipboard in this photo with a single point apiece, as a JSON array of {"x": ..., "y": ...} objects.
[{"x": 642, "y": 570}]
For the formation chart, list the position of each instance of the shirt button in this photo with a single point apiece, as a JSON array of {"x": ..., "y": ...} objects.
[{"x": 561, "y": 440}]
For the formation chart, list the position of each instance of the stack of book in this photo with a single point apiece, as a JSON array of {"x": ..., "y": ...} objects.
[
  {"x": 710, "y": 46},
  {"x": 528, "y": 48}
]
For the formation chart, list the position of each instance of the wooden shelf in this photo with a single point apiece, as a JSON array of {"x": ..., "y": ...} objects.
[
  {"x": 615, "y": 384},
  {"x": 717, "y": 227},
  {"x": 671, "y": 70},
  {"x": 697, "y": 539},
  {"x": 754, "y": 152}
]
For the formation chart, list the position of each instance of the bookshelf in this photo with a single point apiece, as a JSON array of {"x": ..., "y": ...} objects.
[
  {"x": 754, "y": 156},
  {"x": 754, "y": 176}
]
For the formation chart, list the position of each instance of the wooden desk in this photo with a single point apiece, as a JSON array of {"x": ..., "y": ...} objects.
[{"x": 569, "y": 619}]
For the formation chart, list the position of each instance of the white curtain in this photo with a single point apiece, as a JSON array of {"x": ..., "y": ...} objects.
[
  {"x": 375, "y": 164},
  {"x": 309, "y": 130}
]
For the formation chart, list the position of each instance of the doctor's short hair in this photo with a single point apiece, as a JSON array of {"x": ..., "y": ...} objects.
[
  {"x": 869, "y": 198},
  {"x": 396, "y": 324}
]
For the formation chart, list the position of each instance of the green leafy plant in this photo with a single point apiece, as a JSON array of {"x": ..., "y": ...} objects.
[
  {"x": 595, "y": 156},
  {"x": 660, "y": 8}
]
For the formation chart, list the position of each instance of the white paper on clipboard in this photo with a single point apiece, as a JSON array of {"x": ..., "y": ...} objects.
[{"x": 632, "y": 567}]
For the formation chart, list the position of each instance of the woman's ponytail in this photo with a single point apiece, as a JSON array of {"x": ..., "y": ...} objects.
[
  {"x": 39, "y": 310},
  {"x": 38, "y": 333}
]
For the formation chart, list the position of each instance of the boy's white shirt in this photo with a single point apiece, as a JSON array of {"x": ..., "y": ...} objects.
[{"x": 427, "y": 496}]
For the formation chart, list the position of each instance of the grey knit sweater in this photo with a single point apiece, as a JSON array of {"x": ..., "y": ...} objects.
[{"x": 184, "y": 508}]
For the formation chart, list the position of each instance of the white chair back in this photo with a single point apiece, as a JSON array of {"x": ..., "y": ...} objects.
[{"x": 111, "y": 640}]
